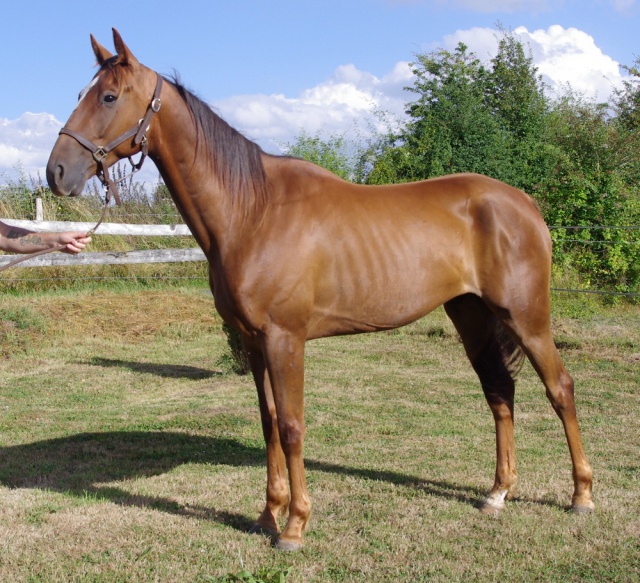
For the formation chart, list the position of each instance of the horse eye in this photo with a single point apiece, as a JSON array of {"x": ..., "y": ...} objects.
[{"x": 109, "y": 98}]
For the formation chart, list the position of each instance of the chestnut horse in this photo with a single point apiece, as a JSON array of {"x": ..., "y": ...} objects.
[{"x": 296, "y": 253}]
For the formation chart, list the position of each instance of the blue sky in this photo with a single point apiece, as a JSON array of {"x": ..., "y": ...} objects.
[{"x": 275, "y": 67}]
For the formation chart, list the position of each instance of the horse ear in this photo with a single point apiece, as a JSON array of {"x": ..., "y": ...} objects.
[
  {"x": 100, "y": 52},
  {"x": 125, "y": 56}
]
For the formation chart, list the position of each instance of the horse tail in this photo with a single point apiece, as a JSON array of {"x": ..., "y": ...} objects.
[
  {"x": 494, "y": 353},
  {"x": 511, "y": 353}
]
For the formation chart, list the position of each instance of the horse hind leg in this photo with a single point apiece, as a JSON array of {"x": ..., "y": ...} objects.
[
  {"x": 543, "y": 354},
  {"x": 495, "y": 358}
]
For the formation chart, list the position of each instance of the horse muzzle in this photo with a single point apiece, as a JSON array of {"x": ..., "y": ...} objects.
[{"x": 69, "y": 169}]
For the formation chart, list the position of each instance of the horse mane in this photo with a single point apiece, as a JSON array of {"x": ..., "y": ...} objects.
[{"x": 235, "y": 161}]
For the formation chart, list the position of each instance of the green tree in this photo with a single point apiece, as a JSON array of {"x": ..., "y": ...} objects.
[
  {"x": 350, "y": 158},
  {"x": 516, "y": 91},
  {"x": 451, "y": 129},
  {"x": 518, "y": 103},
  {"x": 589, "y": 186},
  {"x": 471, "y": 117},
  {"x": 627, "y": 99},
  {"x": 626, "y": 103},
  {"x": 331, "y": 153}
]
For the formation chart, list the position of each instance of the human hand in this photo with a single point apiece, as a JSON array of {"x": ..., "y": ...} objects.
[{"x": 75, "y": 241}]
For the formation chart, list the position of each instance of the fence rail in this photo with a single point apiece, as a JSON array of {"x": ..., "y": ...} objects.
[
  {"x": 103, "y": 229},
  {"x": 108, "y": 258}
]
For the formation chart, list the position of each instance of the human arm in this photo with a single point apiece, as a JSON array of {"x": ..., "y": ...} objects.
[{"x": 18, "y": 240}]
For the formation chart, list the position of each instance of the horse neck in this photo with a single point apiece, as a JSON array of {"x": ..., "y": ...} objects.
[{"x": 202, "y": 201}]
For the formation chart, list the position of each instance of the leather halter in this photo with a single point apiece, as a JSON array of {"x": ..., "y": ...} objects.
[{"x": 139, "y": 135}]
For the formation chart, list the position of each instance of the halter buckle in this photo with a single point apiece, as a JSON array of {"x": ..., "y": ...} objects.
[
  {"x": 156, "y": 104},
  {"x": 100, "y": 154}
]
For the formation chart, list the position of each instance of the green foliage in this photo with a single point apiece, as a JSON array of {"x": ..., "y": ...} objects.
[
  {"x": 331, "y": 153},
  {"x": 516, "y": 99},
  {"x": 471, "y": 117},
  {"x": 627, "y": 99},
  {"x": 589, "y": 185},
  {"x": 515, "y": 91},
  {"x": 451, "y": 129},
  {"x": 264, "y": 575},
  {"x": 18, "y": 197},
  {"x": 351, "y": 158}
]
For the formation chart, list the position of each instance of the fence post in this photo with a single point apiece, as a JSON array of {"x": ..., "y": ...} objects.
[{"x": 39, "y": 213}]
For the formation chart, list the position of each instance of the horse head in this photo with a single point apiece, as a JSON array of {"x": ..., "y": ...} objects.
[{"x": 109, "y": 123}]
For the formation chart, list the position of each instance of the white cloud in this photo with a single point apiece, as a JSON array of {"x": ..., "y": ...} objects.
[
  {"x": 482, "y": 41},
  {"x": 622, "y": 5},
  {"x": 570, "y": 56},
  {"x": 349, "y": 97},
  {"x": 26, "y": 142},
  {"x": 564, "y": 56}
]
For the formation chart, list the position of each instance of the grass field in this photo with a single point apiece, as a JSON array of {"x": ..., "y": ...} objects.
[{"x": 130, "y": 452}]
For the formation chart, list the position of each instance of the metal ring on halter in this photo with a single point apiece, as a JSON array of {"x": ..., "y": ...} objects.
[{"x": 100, "y": 154}]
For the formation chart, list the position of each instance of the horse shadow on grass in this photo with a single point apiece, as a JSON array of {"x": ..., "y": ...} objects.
[
  {"x": 82, "y": 464},
  {"x": 174, "y": 371}
]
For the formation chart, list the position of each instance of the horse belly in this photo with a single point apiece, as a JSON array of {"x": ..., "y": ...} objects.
[{"x": 388, "y": 280}]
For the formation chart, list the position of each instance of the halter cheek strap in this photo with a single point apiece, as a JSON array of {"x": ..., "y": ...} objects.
[{"x": 139, "y": 135}]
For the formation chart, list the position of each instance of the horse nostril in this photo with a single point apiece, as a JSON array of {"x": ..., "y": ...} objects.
[{"x": 55, "y": 173}]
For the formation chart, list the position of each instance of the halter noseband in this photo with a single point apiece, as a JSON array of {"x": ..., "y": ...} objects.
[{"x": 139, "y": 135}]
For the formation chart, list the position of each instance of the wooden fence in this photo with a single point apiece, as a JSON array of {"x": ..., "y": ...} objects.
[{"x": 108, "y": 258}]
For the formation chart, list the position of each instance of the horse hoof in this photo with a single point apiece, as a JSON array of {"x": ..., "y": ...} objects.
[
  {"x": 288, "y": 545},
  {"x": 494, "y": 502},
  {"x": 582, "y": 509},
  {"x": 490, "y": 509}
]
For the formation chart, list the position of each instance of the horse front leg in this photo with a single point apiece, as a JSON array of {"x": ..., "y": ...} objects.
[
  {"x": 277, "y": 487},
  {"x": 284, "y": 354}
]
